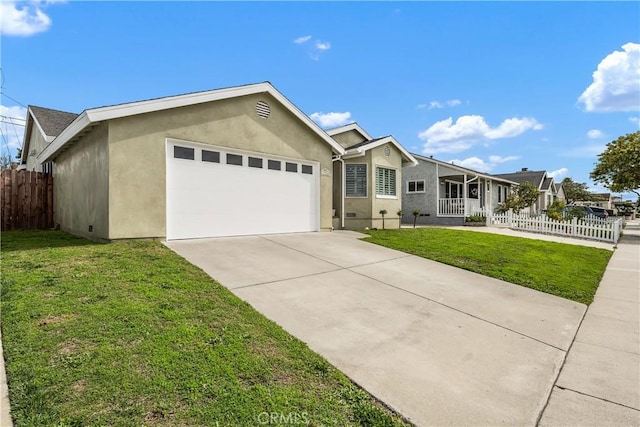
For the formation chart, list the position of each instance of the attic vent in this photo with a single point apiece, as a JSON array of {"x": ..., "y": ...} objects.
[
  {"x": 32, "y": 152},
  {"x": 263, "y": 110}
]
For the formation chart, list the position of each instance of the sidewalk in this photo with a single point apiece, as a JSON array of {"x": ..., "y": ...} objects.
[
  {"x": 599, "y": 382},
  {"x": 5, "y": 418}
]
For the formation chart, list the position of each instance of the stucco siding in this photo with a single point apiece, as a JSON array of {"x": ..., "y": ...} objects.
[
  {"x": 137, "y": 176},
  {"x": 81, "y": 186},
  {"x": 36, "y": 145},
  {"x": 349, "y": 138},
  {"x": 391, "y": 205},
  {"x": 427, "y": 202}
]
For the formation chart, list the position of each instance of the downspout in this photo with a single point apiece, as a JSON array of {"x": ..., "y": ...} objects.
[{"x": 343, "y": 184}]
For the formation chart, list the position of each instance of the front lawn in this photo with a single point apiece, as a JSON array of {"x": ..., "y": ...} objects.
[
  {"x": 130, "y": 334},
  {"x": 569, "y": 271}
]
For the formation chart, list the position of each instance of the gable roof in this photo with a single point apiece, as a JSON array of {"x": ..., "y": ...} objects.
[
  {"x": 361, "y": 147},
  {"x": 534, "y": 177},
  {"x": 52, "y": 122},
  {"x": 546, "y": 184},
  {"x": 346, "y": 128},
  {"x": 48, "y": 122},
  {"x": 463, "y": 169},
  {"x": 92, "y": 116}
]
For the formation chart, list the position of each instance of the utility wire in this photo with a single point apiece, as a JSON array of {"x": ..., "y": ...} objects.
[
  {"x": 12, "y": 118},
  {"x": 11, "y": 123},
  {"x": 14, "y": 100}
]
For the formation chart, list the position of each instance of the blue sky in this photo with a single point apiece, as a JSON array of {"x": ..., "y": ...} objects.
[{"x": 491, "y": 86}]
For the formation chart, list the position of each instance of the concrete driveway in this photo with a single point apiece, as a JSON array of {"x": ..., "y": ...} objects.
[{"x": 440, "y": 345}]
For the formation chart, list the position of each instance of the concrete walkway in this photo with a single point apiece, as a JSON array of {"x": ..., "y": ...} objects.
[
  {"x": 440, "y": 345},
  {"x": 599, "y": 384}
]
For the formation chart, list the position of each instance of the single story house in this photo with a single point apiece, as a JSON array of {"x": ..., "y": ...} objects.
[
  {"x": 367, "y": 178},
  {"x": 234, "y": 161},
  {"x": 541, "y": 181},
  {"x": 445, "y": 194}
]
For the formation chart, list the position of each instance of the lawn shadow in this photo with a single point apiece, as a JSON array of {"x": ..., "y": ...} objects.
[{"x": 39, "y": 239}]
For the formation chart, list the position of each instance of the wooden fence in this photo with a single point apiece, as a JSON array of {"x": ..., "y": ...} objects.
[
  {"x": 27, "y": 200},
  {"x": 592, "y": 228}
]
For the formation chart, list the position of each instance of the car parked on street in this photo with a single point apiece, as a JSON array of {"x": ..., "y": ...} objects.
[{"x": 584, "y": 211}]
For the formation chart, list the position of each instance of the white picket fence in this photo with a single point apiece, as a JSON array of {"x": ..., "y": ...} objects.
[{"x": 593, "y": 228}]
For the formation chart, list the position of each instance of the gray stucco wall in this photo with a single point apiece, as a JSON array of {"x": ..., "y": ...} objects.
[
  {"x": 81, "y": 186},
  {"x": 36, "y": 145},
  {"x": 137, "y": 174}
]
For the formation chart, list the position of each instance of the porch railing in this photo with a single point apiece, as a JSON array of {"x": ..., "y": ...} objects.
[{"x": 455, "y": 207}]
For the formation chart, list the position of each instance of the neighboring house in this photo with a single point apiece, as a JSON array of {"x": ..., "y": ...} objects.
[
  {"x": 445, "y": 193},
  {"x": 603, "y": 200},
  {"x": 42, "y": 126},
  {"x": 560, "y": 193},
  {"x": 372, "y": 170},
  {"x": 541, "y": 181},
  {"x": 234, "y": 161}
]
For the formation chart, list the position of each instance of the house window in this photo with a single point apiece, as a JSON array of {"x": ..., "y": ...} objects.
[
  {"x": 385, "y": 182},
  {"x": 356, "y": 180},
  {"x": 274, "y": 165},
  {"x": 47, "y": 167},
  {"x": 255, "y": 162},
  {"x": 234, "y": 159},
  {"x": 183, "y": 152},
  {"x": 503, "y": 191},
  {"x": 292, "y": 167},
  {"x": 415, "y": 186},
  {"x": 308, "y": 169},
  {"x": 210, "y": 156},
  {"x": 453, "y": 190}
]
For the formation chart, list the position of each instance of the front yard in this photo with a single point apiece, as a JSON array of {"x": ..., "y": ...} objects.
[
  {"x": 568, "y": 271},
  {"x": 130, "y": 334}
]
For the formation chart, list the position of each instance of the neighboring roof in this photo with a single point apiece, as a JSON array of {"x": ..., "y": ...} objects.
[
  {"x": 546, "y": 184},
  {"x": 602, "y": 196},
  {"x": 463, "y": 169},
  {"x": 558, "y": 187},
  {"x": 90, "y": 117},
  {"x": 346, "y": 128},
  {"x": 361, "y": 147},
  {"x": 534, "y": 177},
  {"x": 52, "y": 122}
]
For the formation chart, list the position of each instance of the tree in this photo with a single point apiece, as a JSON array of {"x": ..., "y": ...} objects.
[
  {"x": 415, "y": 217},
  {"x": 618, "y": 166},
  {"x": 576, "y": 191},
  {"x": 399, "y": 218},
  {"x": 5, "y": 161},
  {"x": 383, "y": 212},
  {"x": 522, "y": 196}
]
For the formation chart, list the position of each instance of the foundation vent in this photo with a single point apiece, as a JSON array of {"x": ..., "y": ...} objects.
[{"x": 263, "y": 110}]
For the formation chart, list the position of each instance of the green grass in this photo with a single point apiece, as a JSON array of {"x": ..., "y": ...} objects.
[
  {"x": 130, "y": 334},
  {"x": 568, "y": 271}
]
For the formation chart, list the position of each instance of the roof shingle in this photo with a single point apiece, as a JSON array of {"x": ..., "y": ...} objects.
[{"x": 53, "y": 122}]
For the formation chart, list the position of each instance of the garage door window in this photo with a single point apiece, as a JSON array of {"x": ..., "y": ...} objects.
[
  {"x": 255, "y": 162},
  {"x": 183, "y": 153},
  {"x": 292, "y": 167},
  {"x": 210, "y": 156},
  {"x": 307, "y": 169},
  {"x": 234, "y": 159},
  {"x": 274, "y": 165}
]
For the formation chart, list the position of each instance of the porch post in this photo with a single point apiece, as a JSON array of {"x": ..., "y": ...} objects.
[
  {"x": 465, "y": 189},
  {"x": 437, "y": 191}
]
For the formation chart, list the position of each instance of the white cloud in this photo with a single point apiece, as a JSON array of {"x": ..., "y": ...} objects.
[
  {"x": 323, "y": 45},
  {"x": 616, "y": 82},
  {"x": 556, "y": 174},
  {"x": 449, "y": 103},
  {"x": 330, "y": 120},
  {"x": 586, "y": 151},
  {"x": 302, "y": 39},
  {"x": 635, "y": 120},
  {"x": 25, "y": 19},
  {"x": 446, "y": 137},
  {"x": 595, "y": 134},
  {"x": 12, "y": 122},
  {"x": 480, "y": 165},
  {"x": 421, "y": 106}
]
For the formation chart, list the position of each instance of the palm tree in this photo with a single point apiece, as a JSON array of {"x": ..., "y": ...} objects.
[
  {"x": 383, "y": 212},
  {"x": 415, "y": 217}
]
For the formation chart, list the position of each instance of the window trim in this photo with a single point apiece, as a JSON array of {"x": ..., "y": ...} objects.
[
  {"x": 366, "y": 180},
  {"x": 416, "y": 181},
  {"x": 460, "y": 186},
  {"x": 386, "y": 196}
]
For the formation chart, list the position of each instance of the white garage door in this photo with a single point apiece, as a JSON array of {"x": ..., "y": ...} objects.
[{"x": 215, "y": 191}]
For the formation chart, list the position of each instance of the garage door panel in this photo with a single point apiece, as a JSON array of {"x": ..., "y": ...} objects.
[{"x": 216, "y": 199}]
